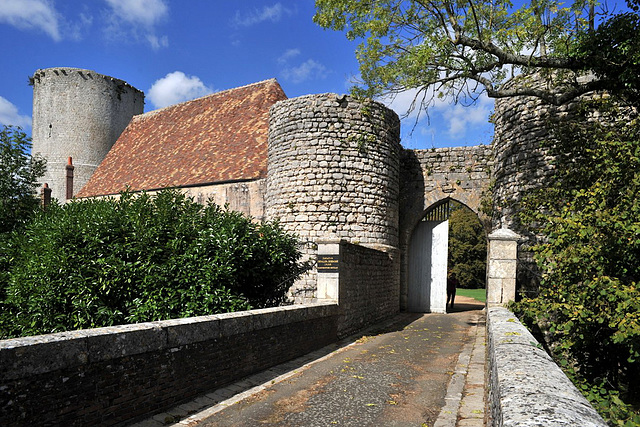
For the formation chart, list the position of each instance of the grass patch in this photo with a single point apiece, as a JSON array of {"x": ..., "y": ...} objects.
[{"x": 478, "y": 294}]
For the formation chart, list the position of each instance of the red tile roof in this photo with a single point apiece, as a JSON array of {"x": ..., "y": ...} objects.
[{"x": 217, "y": 138}]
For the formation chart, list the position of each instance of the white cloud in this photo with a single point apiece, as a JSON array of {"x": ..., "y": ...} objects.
[
  {"x": 307, "y": 70},
  {"x": 9, "y": 115},
  {"x": 147, "y": 13},
  {"x": 268, "y": 13},
  {"x": 157, "y": 42},
  {"x": 310, "y": 69},
  {"x": 288, "y": 55},
  {"x": 133, "y": 17},
  {"x": 30, "y": 15},
  {"x": 460, "y": 118},
  {"x": 176, "y": 87}
]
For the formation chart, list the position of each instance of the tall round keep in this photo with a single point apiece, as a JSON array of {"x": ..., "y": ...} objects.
[
  {"x": 79, "y": 114},
  {"x": 333, "y": 169}
]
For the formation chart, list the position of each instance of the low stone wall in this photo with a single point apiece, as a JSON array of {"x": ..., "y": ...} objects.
[
  {"x": 526, "y": 387},
  {"x": 368, "y": 289},
  {"x": 116, "y": 375},
  {"x": 362, "y": 280}
]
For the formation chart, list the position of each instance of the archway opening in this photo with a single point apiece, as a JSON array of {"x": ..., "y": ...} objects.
[
  {"x": 467, "y": 254},
  {"x": 448, "y": 239}
]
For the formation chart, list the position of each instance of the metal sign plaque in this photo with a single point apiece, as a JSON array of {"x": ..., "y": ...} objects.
[{"x": 327, "y": 263}]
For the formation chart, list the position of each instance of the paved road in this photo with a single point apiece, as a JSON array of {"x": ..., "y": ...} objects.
[{"x": 397, "y": 374}]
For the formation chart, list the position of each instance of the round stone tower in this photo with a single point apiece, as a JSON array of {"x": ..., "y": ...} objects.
[
  {"x": 333, "y": 171},
  {"x": 523, "y": 162},
  {"x": 79, "y": 114}
]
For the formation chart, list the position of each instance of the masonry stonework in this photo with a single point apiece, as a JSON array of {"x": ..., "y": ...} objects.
[
  {"x": 333, "y": 173},
  {"x": 523, "y": 163},
  {"x": 80, "y": 114}
]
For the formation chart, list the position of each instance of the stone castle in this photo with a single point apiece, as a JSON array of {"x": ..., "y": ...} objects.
[
  {"x": 329, "y": 167},
  {"x": 372, "y": 215}
]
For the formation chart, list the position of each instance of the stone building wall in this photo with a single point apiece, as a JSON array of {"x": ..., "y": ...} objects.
[
  {"x": 80, "y": 114},
  {"x": 333, "y": 171},
  {"x": 246, "y": 197}
]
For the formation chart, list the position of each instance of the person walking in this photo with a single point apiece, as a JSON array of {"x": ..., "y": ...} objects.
[{"x": 452, "y": 284}]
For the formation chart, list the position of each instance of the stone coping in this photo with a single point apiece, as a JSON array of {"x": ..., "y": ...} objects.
[
  {"x": 527, "y": 388},
  {"x": 39, "y": 354}
]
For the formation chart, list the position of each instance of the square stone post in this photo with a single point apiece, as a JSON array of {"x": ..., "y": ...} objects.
[
  {"x": 502, "y": 260},
  {"x": 328, "y": 270}
]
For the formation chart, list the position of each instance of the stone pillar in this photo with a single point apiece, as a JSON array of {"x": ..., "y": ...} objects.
[{"x": 502, "y": 257}]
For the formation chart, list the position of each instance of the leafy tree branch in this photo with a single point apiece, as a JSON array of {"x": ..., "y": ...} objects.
[{"x": 441, "y": 45}]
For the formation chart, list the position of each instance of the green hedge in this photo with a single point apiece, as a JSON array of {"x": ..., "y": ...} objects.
[{"x": 95, "y": 263}]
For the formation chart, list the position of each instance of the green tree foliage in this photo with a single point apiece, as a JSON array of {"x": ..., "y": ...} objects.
[
  {"x": 613, "y": 54},
  {"x": 19, "y": 173},
  {"x": 94, "y": 263},
  {"x": 467, "y": 247},
  {"x": 589, "y": 302},
  {"x": 457, "y": 48}
]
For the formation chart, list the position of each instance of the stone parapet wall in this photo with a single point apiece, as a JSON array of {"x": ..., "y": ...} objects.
[
  {"x": 526, "y": 387},
  {"x": 333, "y": 167},
  {"x": 116, "y": 375}
]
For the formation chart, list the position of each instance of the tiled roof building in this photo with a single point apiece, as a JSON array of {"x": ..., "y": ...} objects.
[{"x": 219, "y": 138}]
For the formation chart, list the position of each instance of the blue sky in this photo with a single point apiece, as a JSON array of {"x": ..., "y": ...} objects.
[{"x": 175, "y": 50}]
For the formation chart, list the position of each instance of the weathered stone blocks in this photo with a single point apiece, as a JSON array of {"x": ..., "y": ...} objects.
[
  {"x": 78, "y": 113},
  {"x": 526, "y": 387},
  {"x": 339, "y": 158}
]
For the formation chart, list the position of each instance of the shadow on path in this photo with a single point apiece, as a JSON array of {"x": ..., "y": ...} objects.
[
  {"x": 394, "y": 375},
  {"x": 463, "y": 303}
]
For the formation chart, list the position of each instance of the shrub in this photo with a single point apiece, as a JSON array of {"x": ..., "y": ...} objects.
[
  {"x": 94, "y": 263},
  {"x": 19, "y": 173},
  {"x": 589, "y": 301}
]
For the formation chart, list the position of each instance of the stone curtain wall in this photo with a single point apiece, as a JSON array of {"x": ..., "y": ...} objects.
[
  {"x": 333, "y": 171},
  {"x": 78, "y": 113},
  {"x": 526, "y": 387},
  {"x": 368, "y": 290},
  {"x": 120, "y": 374},
  {"x": 429, "y": 176}
]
